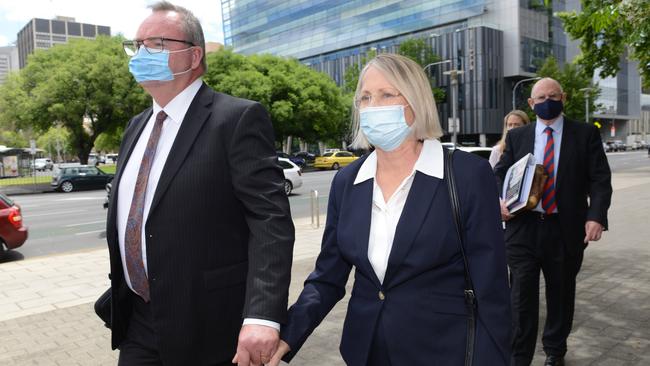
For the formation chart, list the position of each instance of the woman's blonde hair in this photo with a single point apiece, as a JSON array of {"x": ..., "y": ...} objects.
[
  {"x": 524, "y": 118},
  {"x": 411, "y": 81}
]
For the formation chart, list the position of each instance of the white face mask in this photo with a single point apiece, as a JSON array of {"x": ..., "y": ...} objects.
[{"x": 384, "y": 127}]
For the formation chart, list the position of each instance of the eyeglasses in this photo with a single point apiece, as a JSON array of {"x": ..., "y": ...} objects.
[
  {"x": 384, "y": 98},
  {"x": 542, "y": 98},
  {"x": 151, "y": 44}
]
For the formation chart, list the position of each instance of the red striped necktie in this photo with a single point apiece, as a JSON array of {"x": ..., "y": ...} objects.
[
  {"x": 133, "y": 237},
  {"x": 548, "y": 197}
]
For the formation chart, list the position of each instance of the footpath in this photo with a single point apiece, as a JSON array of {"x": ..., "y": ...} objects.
[{"x": 47, "y": 318}]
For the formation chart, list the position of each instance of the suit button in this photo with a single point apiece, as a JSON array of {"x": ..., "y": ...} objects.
[{"x": 381, "y": 296}]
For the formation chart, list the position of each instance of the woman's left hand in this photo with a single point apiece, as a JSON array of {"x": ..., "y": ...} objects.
[{"x": 283, "y": 349}]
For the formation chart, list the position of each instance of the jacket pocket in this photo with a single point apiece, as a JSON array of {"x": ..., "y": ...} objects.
[
  {"x": 226, "y": 276},
  {"x": 445, "y": 304}
]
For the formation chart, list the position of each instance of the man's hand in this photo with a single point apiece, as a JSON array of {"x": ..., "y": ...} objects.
[
  {"x": 505, "y": 213},
  {"x": 593, "y": 230},
  {"x": 256, "y": 345},
  {"x": 283, "y": 349}
]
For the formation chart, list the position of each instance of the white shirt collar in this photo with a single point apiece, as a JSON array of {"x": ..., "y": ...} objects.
[
  {"x": 555, "y": 126},
  {"x": 430, "y": 162},
  {"x": 177, "y": 107}
]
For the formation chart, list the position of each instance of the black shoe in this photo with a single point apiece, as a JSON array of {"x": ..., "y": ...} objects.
[{"x": 554, "y": 361}]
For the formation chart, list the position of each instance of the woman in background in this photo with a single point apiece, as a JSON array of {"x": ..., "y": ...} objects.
[{"x": 514, "y": 119}]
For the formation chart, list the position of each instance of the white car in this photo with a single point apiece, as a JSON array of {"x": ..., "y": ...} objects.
[
  {"x": 43, "y": 164},
  {"x": 292, "y": 175}
]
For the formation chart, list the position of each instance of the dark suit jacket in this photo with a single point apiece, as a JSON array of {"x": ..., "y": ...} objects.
[
  {"x": 583, "y": 173},
  {"x": 423, "y": 314},
  {"x": 219, "y": 232}
]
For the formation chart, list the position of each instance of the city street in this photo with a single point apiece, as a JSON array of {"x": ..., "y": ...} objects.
[
  {"x": 60, "y": 223},
  {"x": 46, "y": 302}
]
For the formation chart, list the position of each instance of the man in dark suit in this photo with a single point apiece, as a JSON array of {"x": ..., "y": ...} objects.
[
  {"x": 199, "y": 228},
  {"x": 552, "y": 237}
]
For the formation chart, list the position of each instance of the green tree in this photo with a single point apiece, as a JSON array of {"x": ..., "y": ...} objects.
[
  {"x": 84, "y": 86},
  {"x": 109, "y": 141},
  {"x": 301, "y": 102},
  {"x": 572, "y": 79},
  {"x": 419, "y": 51},
  {"x": 56, "y": 141},
  {"x": 13, "y": 139},
  {"x": 606, "y": 29}
]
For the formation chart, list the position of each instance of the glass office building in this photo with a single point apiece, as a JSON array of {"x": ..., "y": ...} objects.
[{"x": 495, "y": 42}]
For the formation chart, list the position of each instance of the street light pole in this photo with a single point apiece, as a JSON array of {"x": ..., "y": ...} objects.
[
  {"x": 435, "y": 63},
  {"x": 453, "y": 75},
  {"x": 514, "y": 90},
  {"x": 586, "y": 91}
]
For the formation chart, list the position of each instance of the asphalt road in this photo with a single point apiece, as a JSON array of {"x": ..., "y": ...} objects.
[{"x": 63, "y": 222}]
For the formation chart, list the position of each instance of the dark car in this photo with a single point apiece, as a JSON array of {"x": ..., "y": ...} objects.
[
  {"x": 296, "y": 160},
  {"x": 12, "y": 231},
  {"x": 68, "y": 179},
  {"x": 306, "y": 156}
]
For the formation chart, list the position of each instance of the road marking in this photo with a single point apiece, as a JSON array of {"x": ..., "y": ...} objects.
[
  {"x": 86, "y": 223},
  {"x": 78, "y": 199},
  {"x": 55, "y": 213},
  {"x": 90, "y": 232}
]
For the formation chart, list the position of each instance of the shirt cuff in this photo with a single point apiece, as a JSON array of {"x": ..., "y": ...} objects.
[{"x": 266, "y": 323}]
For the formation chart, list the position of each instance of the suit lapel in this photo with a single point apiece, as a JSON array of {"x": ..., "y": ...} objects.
[
  {"x": 415, "y": 211},
  {"x": 196, "y": 116},
  {"x": 566, "y": 152},
  {"x": 361, "y": 195}
]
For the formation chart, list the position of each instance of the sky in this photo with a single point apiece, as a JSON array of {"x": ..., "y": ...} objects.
[{"x": 123, "y": 16}]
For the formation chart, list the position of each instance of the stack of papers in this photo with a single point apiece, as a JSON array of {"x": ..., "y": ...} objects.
[{"x": 518, "y": 183}]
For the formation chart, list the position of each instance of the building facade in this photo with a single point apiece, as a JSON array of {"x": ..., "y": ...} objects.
[
  {"x": 497, "y": 43},
  {"x": 8, "y": 61},
  {"x": 45, "y": 33}
]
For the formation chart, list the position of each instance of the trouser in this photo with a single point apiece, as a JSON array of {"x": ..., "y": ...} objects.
[
  {"x": 140, "y": 348},
  {"x": 536, "y": 244}
]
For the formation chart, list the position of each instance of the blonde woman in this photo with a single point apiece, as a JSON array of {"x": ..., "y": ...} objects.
[
  {"x": 389, "y": 217},
  {"x": 514, "y": 119}
]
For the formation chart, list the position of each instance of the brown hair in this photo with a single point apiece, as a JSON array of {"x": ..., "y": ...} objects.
[{"x": 521, "y": 114}]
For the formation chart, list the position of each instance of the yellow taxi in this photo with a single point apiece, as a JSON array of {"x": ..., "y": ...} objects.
[{"x": 334, "y": 160}]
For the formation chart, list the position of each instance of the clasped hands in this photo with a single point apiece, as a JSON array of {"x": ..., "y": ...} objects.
[{"x": 259, "y": 345}]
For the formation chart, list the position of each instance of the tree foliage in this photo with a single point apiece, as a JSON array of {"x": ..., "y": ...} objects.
[
  {"x": 572, "y": 79},
  {"x": 84, "y": 86},
  {"x": 301, "y": 101},
  {"x": 606, "y": 29}
]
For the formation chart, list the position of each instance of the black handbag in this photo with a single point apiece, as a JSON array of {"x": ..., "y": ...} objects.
[
  {"x": 103, "y": 308},
  {"x": 470, "y": 299}
]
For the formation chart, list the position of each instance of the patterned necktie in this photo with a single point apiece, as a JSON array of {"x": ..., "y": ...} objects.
[
  {"x": 133, "y": 237},
  {"x": 548, "y": 197}
]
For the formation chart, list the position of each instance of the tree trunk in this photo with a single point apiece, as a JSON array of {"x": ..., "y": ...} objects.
[{"x": 287, "y": 148}]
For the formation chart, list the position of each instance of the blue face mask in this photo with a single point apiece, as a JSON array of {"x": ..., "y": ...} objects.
[
  {"x": 145, "y": 66},
  {"x": 384, "y": 127},
  {"x": 549, "y": 109}
]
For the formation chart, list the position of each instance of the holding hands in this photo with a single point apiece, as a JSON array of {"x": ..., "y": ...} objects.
[{"x": 256, "y": 346}]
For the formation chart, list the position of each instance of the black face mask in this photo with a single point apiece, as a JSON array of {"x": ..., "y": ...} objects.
[{"x": 549, "y": 109}]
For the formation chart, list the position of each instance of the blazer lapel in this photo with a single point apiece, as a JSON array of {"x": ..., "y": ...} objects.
[
  {"x": 361, "y": 195},
  {"x": 566, "y": 152},
  {"x": 196, "y": 116},
  {"x": 417, "y": 205}
]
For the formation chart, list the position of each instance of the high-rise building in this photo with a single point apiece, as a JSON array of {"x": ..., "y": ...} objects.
[
  {"x": 45, "y": 33},
  {"x": 8, "y": 61},
  {"x": 497, "y": 43}
]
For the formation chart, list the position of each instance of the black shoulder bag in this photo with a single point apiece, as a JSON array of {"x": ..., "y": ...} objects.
[{"x": 470, "y": 299}]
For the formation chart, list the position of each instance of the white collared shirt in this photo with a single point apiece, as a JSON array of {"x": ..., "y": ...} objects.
[
  {"x": 540, "y": 144},
  {"x": 386, "y": 214}
]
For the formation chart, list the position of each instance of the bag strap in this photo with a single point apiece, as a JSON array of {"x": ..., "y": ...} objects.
[{"x": 470, "y": 299}]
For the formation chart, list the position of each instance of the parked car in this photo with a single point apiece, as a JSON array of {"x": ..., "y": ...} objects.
[
  {"x": 12, "y": 231},
  {"x": 334, "y": 160},
  {"x": 307, "y": 156},
  {"x": 292, "y": 175},
  {"x": 636, "y": 145},
  {"x": 111, "y": 158},
  {"x": 43, "y": 164},
  {"x": 483, "y": 152},
  {"x": 296, "y": 160},
  {"x": 68, "y": 179}
]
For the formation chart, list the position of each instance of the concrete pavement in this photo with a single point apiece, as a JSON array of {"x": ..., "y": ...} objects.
[{"x": 46, "y": 315}]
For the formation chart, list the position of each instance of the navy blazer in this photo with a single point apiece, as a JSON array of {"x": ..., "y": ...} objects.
[{"x": 422, "y": 310}]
